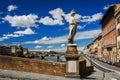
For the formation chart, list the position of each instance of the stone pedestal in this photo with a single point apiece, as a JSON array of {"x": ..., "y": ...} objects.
[
  {"x": 72, "y": 52},
  {"x": 72, "y": 64}
]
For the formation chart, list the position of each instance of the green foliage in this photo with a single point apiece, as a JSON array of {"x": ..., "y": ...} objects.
[
  {"x": 53, "y": 52},
  {"x": 81, "y": 58},
  {"x": 19, "y": 52}
]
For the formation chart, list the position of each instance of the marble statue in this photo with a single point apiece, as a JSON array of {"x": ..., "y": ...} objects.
[{"x": 72, "y": 27}]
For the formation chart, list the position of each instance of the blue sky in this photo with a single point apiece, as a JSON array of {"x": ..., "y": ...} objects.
[{"x": 43, "y": 24}]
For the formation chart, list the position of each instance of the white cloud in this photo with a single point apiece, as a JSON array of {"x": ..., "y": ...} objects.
[
  {"x": 49, "y": 21},
  {"x": 8, "y": 36},
  {"x": 3, "y": 38},
  {"x": 38, "y": 47},
  {"x": 12, "y": 35},
  {"x": 64, "y": 49},
  {"x": 57, "y": 13},
  {"x": 107, "y": 6},
  {"x": 22, "y": 21},
  {"x": 92, "y": 18},
  {"x": 87, "y": 34},
  {"x": 80, "y": 27},
  {"x": 62, "y": 39},
  {"x": 27, "y": 31},
  {"x": 50, "y": 47},
  {"x": 67, "y": 16},
  {"x": 62, "y": 45},
  {"x": 42, "y": 40},
  {"x": 46, "y": 38},
  {"x": 56, "y": 17},
  {"x": 11, "y": 7},
  {"x": 16, "y": 34}
]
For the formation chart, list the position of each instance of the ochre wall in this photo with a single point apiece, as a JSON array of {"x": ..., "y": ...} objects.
[{"x": 29, "y": 65}]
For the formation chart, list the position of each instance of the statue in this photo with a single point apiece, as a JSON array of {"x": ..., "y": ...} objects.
[{"x": 72, "y": 27}]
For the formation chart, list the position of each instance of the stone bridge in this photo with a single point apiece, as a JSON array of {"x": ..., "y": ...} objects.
[{"x": 43, "y": 54}]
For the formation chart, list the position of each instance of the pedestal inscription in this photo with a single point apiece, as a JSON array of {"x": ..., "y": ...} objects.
[{"x": 72, "y": 66}]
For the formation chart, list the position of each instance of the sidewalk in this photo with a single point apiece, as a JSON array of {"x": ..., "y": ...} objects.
[{"x": 20, "y": 75}]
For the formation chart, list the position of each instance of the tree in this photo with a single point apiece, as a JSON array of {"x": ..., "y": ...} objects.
[{"x": 19, "y": 52}]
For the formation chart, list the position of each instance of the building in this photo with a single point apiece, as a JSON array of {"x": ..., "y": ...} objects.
[
  {"x": 13, "y": 49},
  {"x": 25, "y": 50},
  {"x": 97, "y": 46},
  {"x": 94, "y": 49},
  {"x": 117, "y": 17},
  {"x": 109, "y": 35},
  {"x": 5, "y": 50}
]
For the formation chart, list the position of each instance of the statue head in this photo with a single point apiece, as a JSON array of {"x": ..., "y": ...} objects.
[{"x": 72, "y": 12}]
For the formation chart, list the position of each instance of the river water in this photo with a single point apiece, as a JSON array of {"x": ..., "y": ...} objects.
[{"x": 51, "y": 58}]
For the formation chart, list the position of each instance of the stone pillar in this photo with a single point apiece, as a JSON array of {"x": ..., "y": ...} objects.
[
  {"x": 72, "y": 63},
  {"x": 58, "y": 57},
  {"x": 42, "y": 57}
]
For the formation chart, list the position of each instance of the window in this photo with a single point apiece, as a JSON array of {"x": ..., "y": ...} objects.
[{"x": 118, "y": 32}]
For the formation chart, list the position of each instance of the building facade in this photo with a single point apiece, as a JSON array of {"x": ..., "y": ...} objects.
[
  {"x": 109, "y": 35},
  {"x": 117, "y": 17},
  {"x": 5, "y": 50}
]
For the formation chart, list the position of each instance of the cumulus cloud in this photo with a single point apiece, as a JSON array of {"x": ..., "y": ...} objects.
[
  {"x": 27, "y": 31},
  {"x": 8, "y": 36},
  {"x": 38, "y": 47},
  {"x": 57, "y": 13},
  {"x": 22, "y": 21},
  {"x": 3, "y": 38},
  {"x": 62, "y": 45},
  {"x": 16, "y": 34},
  {"x": 56, "y": 17},
  {"x": 62, "y": 39},
  {"x": 67, "y": 16},
  {"x": 11, "y": 7},
  {"x": 49, "y": 21},
  {"x": 107, "y": 6},
  {"x": 92, "y": 18}
]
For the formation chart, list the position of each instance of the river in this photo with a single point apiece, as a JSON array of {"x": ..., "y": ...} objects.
[{"x": 51, "y": 58}]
